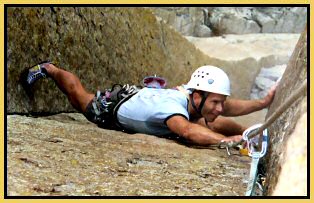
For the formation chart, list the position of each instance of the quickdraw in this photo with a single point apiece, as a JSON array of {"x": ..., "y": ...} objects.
[
  {"x": 225, "y": 145},
  {"x": 256, "y": 155}
]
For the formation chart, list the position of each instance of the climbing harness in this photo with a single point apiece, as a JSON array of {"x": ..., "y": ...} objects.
[
  {"x": 105, "y": 104},
  {"x": 256, "y": 155}
]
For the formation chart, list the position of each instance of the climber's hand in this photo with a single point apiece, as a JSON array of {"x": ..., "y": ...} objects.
[{"x": 268, "y": 99}]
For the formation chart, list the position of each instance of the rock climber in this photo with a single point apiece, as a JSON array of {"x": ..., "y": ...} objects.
[{"x": 196, "y": 112}]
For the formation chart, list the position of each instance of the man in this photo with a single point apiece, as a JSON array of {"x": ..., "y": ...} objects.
[{"x": 194, "y": 111}]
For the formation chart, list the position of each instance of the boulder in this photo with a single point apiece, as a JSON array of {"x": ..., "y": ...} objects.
[
  {"x": 102, "y": 46},
  {"x": 266, "y": 78},
  {"x": 281, "y": 20},
  {"x": 190, "y": 21},
  {"x": 295, "y": 161},
  {"x": 243, "y": 20},
  {"x": 232, "y": 21},
  {"x": 203, "y": 31}
]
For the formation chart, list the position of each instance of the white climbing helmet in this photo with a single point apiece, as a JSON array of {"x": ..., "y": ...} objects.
[{"x": 210, "y": 79}]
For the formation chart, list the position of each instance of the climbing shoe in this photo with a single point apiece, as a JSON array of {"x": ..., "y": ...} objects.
[{"x": 35, "y": 73}]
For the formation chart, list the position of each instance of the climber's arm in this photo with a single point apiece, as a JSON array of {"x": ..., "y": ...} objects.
[
  {"x": 196, "y": 133},
  {"x": 237, "y": 107}
]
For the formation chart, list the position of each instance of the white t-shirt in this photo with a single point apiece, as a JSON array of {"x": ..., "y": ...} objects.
[{"x": 147, "y": 111}]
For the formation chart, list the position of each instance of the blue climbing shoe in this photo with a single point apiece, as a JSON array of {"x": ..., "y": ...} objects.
[{"x": 35, "y": 73}]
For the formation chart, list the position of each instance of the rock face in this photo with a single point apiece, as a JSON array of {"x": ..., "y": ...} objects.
[
  {"x": 285, "y": 155},
  {"x": 188, "y": 21},
  {"x": 295, "y": 162},
  {"x": 258, "y": 20},
  {"x": 266, "y": 79},
  {"x": 209, "y": 21},
  {"x": 102, "y": 46},
  {"x": 65, "y": 155}
]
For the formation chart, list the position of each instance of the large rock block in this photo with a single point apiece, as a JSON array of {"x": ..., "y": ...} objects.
[
  {"x": 188, "y": 21},
  {"x": 242, "y": 20},
  {"x": 296, "y": 161},
  {"x": 283, "y": 132},
  {"x": 102, "y": 46},
  {"x": 191, "y": 21}
]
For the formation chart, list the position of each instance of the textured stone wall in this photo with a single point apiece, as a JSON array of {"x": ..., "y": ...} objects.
[
  {"x": 208, "y": 21},
  {"x": 189, "y": 21},
  {"x": 283, "y": 130},
  {"x": 102, "y": 46}
]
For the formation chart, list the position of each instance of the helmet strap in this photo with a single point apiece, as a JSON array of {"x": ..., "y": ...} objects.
[
  {"x": 200, "y": 107},
  {"x": 204, "y": 97},
  {"x": 193, "y": 105}
]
